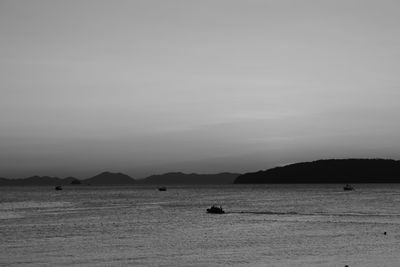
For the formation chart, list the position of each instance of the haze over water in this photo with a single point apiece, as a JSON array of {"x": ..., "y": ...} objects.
[{"x": 265, "y": 225}]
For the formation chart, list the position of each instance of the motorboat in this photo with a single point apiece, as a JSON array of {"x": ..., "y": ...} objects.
[
  {"x": 58, "y": 187},
  {"x": 162, "y": 188},
  {"x": 215, "y": 209},
  {"x": 348, "y": 187}
]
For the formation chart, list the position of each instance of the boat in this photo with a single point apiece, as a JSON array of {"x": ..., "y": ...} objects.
[
  {"x": 215, "y": 209},
  {"x": 162, "y": 188},
  {"x": 348, "y": 187},
  {"x": 58, "y": 187}
]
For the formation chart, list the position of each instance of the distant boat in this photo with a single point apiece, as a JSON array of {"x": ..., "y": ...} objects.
[
  {"x": 58, "y": 187},
  {"x": 162, "y": 188},
  {"x": 348, "y": 187},
  {"x": 215, "y": 209}
]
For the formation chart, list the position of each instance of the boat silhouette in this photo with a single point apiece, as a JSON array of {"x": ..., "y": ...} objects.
[
  {"x": 348, "y": 187},
  {"x": 216, "y": 210}
]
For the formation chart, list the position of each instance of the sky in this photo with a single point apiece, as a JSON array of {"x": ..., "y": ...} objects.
[{"x": 152, "y": 86}]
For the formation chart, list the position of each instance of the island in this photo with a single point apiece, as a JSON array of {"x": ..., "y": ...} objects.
[
  {"x": 110, "y": 178},
  {"x": 104, "y": 178},
  {"x": 328, "y": 171},
  {"x": 190, "y": 178},
  {"x": 117, "y": 178}
]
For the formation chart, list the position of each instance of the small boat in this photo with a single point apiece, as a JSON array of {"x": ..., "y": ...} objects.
[
  {"x": 58, "y": 187},
  {"x": 162, "y": 188},
  {"x": 348, "y": 187},
  {"x": 215, "y": 209}
]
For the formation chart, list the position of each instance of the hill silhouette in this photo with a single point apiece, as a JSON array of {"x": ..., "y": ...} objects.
[
  {"x": 328, "y": 171},
  {"x": 192, "y": 178},
  {"x": 37, "y": 180},
  {"x": 105, "y": 178},
  {"x": 110, "y": 178}
]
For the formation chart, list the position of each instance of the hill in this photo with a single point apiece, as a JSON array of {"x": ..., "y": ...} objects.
[
  {"x": 105, "y": 178},
  {"x": 328, "y": 171},
  {"x": 192, "y": 178},
  {"x": 37, "y": 181},
  {"x": 109, "y": 178}
]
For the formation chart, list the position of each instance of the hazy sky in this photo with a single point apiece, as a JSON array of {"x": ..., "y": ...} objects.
[{"x": 148, "y": 86}]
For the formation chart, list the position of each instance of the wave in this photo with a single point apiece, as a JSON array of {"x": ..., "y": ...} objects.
[
  {"x": 10, "y": 215},
  {"x": 33, "y": 205}
]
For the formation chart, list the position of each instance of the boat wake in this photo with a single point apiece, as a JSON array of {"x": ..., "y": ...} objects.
[
  {"x": 330, "y": 214},
  {"x": 263, "y": 212}
]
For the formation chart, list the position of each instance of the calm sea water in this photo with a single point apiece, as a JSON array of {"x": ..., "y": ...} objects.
[{"x": 265, "y": 225}]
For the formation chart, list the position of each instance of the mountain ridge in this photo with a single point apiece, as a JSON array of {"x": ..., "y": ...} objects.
[
  {"x": 111, "y": 178},
  {"x": 328, "y": 171},
  {"x": 104, "y": 178},
  {"x": 190, "y": 178}
]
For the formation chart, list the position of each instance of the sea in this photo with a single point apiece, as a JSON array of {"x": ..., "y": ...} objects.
[{"x": 264, "y": 225}]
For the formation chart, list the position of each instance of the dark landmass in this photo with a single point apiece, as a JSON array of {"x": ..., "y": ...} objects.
[
  {"x": 320, "y": 171},
  {"x": 76, "y": 181},
  {"x": 37, "y": 181},
  {"x": 105, "y": 178},
  {"x": 110, "y": 178},
  {"x": 328, "y": 171},
  {"x": 192, "y": 178}
]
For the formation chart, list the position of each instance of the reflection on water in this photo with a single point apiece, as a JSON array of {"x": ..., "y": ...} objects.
[{"x": 273, "y": 225}]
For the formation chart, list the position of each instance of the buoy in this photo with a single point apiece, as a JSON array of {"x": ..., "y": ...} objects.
[{"x": 384, "y": 233}]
